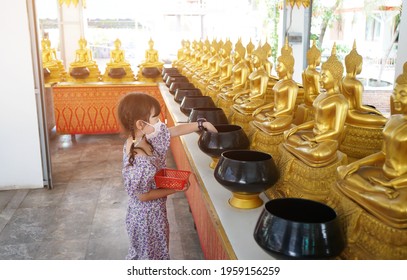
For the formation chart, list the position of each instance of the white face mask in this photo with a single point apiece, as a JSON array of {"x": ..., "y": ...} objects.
[{"x": 156, "y": 127}]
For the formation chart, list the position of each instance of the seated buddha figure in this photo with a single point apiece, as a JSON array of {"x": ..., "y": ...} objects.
[
  {"x": 195, "y": 49},
  {"x": 198, "y": 59},
  {"x": 239, "y": 75},
  {"x": 371, "y": 192},
  {"x": 118, "y": 69},
  {"x": 316, "y": 142},
  {"x": 214, "y": 67},
  {"x": 84, "y": 68},
  {"x": 222, "y": 78},
  {"x": 249, "y": 50},
  {"x": 364, "y": 123},
  {"x": 378, "y": 182},
  {"x": 180, "y": 54},
  {"x": 352, "y": 89},
  {"x": 310, "y": 81},
  {"x": 212, "y": 61},
  {"x": 54, "y": 70},
  {"x": 238, "y": 79},
  {"x": 203, "y": 64},
  {"x": 184, "y": 55},
  {"x": 246, "y": 101},
  {"x": 150, "y": 68},
  {"x": 276, "y": 117}
]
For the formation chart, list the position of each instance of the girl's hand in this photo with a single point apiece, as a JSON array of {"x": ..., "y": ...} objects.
[
  {"x": 209, "y": 127},
  {"x": 186, "y": 187}
]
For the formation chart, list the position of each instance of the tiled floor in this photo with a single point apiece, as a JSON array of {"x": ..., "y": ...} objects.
[{"x": 82, "y": 217}]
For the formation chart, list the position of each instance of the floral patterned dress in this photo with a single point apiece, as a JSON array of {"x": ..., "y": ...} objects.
[{"x": 146, "y": 222}]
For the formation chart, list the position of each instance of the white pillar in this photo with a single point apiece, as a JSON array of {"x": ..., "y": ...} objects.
[
  {"x": 297, "y": 27},
  {"x": 402, "y": 45},
  {"x": 72, "y": 25}
]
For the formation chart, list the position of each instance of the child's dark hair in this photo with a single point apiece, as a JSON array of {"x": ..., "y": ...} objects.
[{"x": 132, "y": 107}]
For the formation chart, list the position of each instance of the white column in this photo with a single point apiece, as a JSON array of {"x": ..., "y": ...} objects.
[
  {"x": 72, "y": 26},
  {"x": 297, "y": 26},
  {"x": 402, "y": 45},
  {"x": 20, "y": 154}
]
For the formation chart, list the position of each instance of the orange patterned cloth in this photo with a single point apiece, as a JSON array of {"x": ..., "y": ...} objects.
[{"x": 91, "y": 109}]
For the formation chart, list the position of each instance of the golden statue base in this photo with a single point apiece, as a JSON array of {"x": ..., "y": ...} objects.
[
  {"x": 360, "y": 142},
  {"x": 298, "y": 179},
  {"x": 240, "y": 119},
  {"x": 214, "y": 162},
  {"x": 225, "y": 104},
  {"x": 264, "y": 142},
  {"x": 367, "y": 237},
  {"x": 243, "y": 200},
  {"x": 55, "y": 73}
]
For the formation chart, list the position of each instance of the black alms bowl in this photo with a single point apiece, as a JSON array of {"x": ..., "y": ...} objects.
[
  {"x": 246, "y": 171},
  {"x": 181, "y": 93},
  {"x": 299, "y": 228},
  {"x": 176, "y": 85},
  {"x": 190, "y": 102},
  {"x": 228, "y": 137},
  {"x": 171, "y": 70},
  {"x": 213, "y": 115}
]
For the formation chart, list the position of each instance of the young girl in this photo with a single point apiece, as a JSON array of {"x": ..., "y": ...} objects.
[{"x": 144, "y": 154}]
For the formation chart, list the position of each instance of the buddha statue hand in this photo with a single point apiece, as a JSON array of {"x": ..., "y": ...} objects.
[
  {"x": 346, "y": 170},
  {"x": 391, "y": 191},
  {"x": 290, "y": 132}
]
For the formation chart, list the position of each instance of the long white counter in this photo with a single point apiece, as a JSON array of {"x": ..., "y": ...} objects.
[{"x": 236, "y": 224}]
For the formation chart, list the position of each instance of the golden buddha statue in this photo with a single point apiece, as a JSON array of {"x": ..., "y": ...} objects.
[
  {"x": 372, "y": 191},
  {"x": 310, "y": 80},
  {"x": 272, "y": 119},
  {"x": 180, "y": 54},
  {"x": 54, "y": 70},
  {"x": 222, "y": 77},
  {"x": 238, "y": 79},
  {"x": 316, "y": 142},
  {"x": 213, "y": 71},
  {"x": 364, "y": 123},
  {"x": 195, "y": 49},
  {"x": 150, "y": 68},
  {"x": 203, "y": 65},
  {"x": 277, "y": 116},
  {"x": 248, "y": 100},
  {"x": 309, "y": 153},
  {"x": 198, "y": 58},
  {"x": 84, "y": 68},
  {"x": 118, "y": 69},
  {"x": 186, "y": 55},
  {"x": 249, "y": 50}
]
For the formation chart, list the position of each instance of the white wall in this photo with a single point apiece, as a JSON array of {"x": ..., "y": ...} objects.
[
  {"x": 402, "y": 46},
  {"x": 20, "y": 158}
]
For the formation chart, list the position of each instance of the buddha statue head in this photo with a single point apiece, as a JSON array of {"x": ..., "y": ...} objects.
[
  {"x": 117, "y": 44},
  {"x": 151, "y": 43},
  {"x": 82, "y": 43},
  {"x": 206, "y": 45},
  {"x": 267, "y": 48},
  {"x": 258, "y": 57},
  {"x": 332, "y": 71},
  {"x": 353, "y": 61},
  {"x": 239, "y": 51},
  {"x": 250, "y": 48},
  {"x": 226, "y": 48},
  {"x": 285, "y": 66},
  {"x": 400, "y": 92},
  {"x": 314, "y": 55}
]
